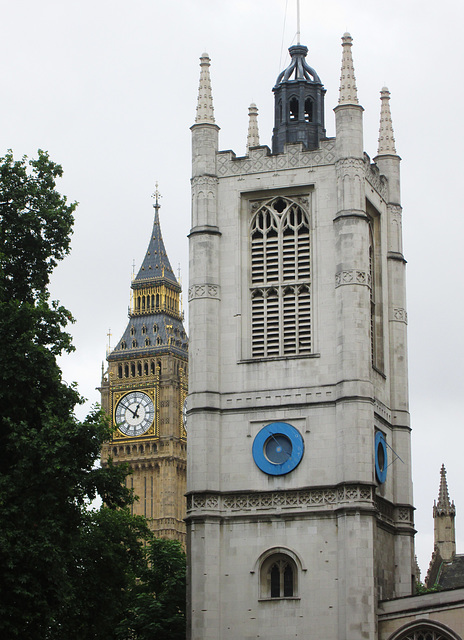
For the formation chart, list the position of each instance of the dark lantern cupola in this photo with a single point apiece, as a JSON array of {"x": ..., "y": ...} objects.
[{"x": 299, "y": 104}]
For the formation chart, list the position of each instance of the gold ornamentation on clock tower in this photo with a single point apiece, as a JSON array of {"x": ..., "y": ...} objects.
[{"x": 144, "y": 390}]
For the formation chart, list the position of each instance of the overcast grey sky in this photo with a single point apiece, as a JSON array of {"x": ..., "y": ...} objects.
[{"x": 109, "y": 88}]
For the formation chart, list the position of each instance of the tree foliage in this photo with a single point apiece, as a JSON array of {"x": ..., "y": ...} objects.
[{"x": 66, "y": 571}]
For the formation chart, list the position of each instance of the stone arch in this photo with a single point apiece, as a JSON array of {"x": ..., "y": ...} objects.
[{"x": 424, "y": 629}]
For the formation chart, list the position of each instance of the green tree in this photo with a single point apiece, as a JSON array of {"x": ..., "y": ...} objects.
[
  {"x": 65, "y": 571},
  {"x": 156, "y": 605}
]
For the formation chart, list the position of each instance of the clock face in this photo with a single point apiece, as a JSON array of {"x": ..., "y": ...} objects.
[
  {"x": 381, "y": 457},
  {"x": 278, "y": 448},
  {"x": 135, "y": 413}
]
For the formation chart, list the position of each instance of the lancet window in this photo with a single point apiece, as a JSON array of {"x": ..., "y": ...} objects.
[{"x": 280, "y": 280}]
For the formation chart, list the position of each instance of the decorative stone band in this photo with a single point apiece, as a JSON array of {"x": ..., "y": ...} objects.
[
  {"x": 397, "y": 314},
  {"x": 388, "y": 513},
  {"x": 352, "y": 276},
  {"x": 302, "y": 498},
  {"x": 203, "y": 291},
  {"x": 260, "y": 159},
  {"x": 327, "y": 499},
  {"x": 375, "y": 179}
]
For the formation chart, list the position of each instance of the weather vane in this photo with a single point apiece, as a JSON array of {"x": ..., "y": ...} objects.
[{"x": 157, "y": 196}]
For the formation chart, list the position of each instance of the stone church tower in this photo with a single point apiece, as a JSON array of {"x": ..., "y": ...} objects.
[
  {"x": 299, "y": 512},
  {"x": 144, "y": 391}
]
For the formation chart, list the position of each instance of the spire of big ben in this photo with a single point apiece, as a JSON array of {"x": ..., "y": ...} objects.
[{"x": 145, "y": 390}]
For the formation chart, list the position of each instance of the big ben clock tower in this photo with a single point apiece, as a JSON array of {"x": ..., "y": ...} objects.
[{"x": 144, "y": 391}]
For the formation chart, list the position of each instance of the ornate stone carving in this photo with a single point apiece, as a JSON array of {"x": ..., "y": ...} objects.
[
  {"x": 203, "y": 291},
  {"x": 352, "y": 276},
  {"x": 328, "y": 497},
  {"x": 201, "y": 181},
  {"x": 398, "y": 314},
  {"x": 261, "y": 161},
  {"x": 375, "y": 179}
]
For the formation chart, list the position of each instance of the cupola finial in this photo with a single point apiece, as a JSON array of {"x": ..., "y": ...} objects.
[
  {"x": 253, "y": 132},
  {"x": 348, "y": 91},
  {"x": 205, "y": 109},
  {"x": 299, "y": 104},
  {"x": 386, "y": 135}
]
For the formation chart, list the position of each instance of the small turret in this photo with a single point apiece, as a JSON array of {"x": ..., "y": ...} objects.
[
  {"x": 444, "y": 513},
  {"x": 253, "y": 132},
  {"x": 299, "y": 104},
  {"x": 204, "y": 131}
]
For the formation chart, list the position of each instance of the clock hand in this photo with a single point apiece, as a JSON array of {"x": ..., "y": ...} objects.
[{"x": 281, "y": 448}]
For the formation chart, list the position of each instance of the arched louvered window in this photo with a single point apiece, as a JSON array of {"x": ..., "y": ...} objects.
[
  {"x": 372, "y": 293},
  {"x": 280, "y": 280}
]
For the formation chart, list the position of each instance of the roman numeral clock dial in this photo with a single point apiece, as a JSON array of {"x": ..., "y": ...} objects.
[{"x": 135, "y": 413}]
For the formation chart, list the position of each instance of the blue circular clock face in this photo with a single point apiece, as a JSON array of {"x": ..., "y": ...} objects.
[
  {"x": 381, "y": 457},
  {"x": 278, "y": 448}
]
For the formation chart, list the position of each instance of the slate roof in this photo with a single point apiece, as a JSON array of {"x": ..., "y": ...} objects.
[
  {"x": 155, "y": 329},
  {"x": 451, "y": 574},
  {"x": 156, "y": 263}
]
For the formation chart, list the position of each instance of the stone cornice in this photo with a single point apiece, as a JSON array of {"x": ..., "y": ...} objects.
[{"x": 332, "y": 499}]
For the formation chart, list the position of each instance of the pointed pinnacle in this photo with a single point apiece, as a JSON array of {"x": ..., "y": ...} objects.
[
  {"x": 348, "y": 91},
  {"x": 253, "y": 132},
  {"x": 386, "y": 135},
  {"x": 443, "y": 505},
  {"x": 205, "y": 109}
]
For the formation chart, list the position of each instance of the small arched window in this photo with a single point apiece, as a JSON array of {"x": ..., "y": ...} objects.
[
  {"x": 278, "y": 577},
  {"x": 293, "y": 110},
  {"x": 120, "y": 371},
  {"x": 308, "y": 111}
]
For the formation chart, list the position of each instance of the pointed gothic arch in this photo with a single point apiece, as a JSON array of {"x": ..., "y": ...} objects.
[{"x": 425, "y": 629}]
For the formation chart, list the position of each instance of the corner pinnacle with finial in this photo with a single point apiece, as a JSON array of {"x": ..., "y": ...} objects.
[
  {"x": 348, "y": 90},
  {"x": 253, "y": 132},
  {"x": 443, "y": 507},
  {"x": 205, "y": 109},
  {"x": 386, "y": 135}
]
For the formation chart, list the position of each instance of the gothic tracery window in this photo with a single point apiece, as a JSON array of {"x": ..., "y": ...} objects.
[
  {"x": 281, "y": 280},
  {"x": 278, "y": 577}
]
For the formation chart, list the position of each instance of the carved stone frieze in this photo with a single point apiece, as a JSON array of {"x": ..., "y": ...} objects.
[
  {"x": 398, "y": 314},
  {"x": 392, "y": 515},
  {"x": 352, "y": 276},
  {"x": 308, "y": 499},
  {"x": 352, "y": 165},
  {"x": 260, "y": 160},
  {"x": 203, "y": 291},
  {"x": 375, "y": 179},
  {"x": 201, "y": 181}
]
